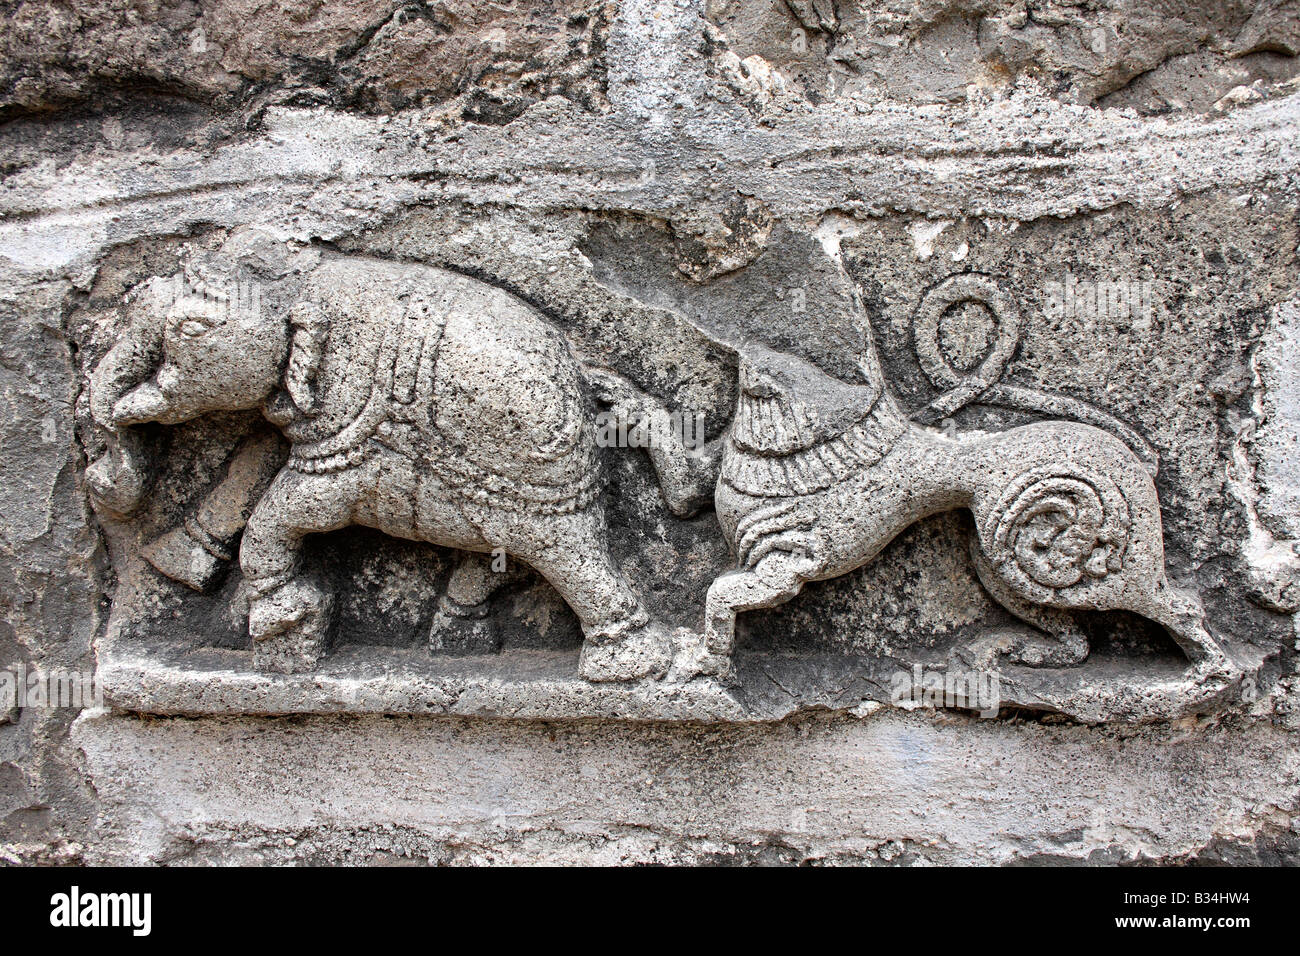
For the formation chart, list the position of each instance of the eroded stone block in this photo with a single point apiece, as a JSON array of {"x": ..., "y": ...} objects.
[{"x": 729, "y": 368}]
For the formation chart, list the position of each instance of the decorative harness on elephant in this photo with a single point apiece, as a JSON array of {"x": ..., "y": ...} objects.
[{"x": 399, "y": 415}]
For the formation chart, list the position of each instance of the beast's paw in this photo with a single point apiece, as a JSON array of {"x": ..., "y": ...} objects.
[
  {"x": 694, "y": 659},
  {"x": 1028, "y": 647}
]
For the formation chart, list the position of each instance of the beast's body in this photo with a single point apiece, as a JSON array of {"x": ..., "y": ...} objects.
[{"x": 1066, "y": 515}]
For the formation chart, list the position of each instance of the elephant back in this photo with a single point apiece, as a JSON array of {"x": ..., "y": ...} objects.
[
  {"x": 370, "y": 329},
  {"x": 456, "y": 373},
  {"x": 508, "y": 407}
]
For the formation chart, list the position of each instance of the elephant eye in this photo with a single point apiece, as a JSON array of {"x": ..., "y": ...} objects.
[{"x": 193, "y": 328}]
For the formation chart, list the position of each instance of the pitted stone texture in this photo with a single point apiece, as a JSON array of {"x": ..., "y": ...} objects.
[
  {"x": 627, "y": 176},
  {"x": 494, "y": 60},
  {"x": 1157, "y": 58},
  {"x": 903, "y": 790},
  {"x": 49, "y": 591}
]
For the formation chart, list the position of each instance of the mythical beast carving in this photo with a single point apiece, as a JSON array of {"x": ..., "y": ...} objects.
[
  {"x": 818, "y": 476},
  {"x": 417, "y": 401}
]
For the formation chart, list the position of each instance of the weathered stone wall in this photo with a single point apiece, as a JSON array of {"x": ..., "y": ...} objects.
[{"x": 690, "y": 195}]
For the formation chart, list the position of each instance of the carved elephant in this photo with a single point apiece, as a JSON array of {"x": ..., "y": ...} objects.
[{"x": 416, "y": 401}]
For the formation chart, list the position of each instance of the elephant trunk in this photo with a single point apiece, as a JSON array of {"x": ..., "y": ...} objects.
[{"x": 120, "y": 479}]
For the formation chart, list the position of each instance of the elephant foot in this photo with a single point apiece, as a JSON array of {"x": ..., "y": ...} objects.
[
  {"x": 467, "y": 612},
  {"x": 290, "y": 627},
  {"x": 632, "y": 654},
  {"x": 460, "y": 629}
]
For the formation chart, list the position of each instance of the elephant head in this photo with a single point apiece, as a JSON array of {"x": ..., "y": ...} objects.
[{"x": 189, "y": 349}]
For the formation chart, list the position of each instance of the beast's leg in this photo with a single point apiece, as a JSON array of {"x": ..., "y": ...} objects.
[
  {"x": 196, "y": 551},
  {"x": 773, "y": 580},
  {"x": 289, "y": 615},
  {"x": 1061, "y": 643}
]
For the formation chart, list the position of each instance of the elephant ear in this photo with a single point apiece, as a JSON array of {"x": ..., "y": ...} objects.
[{"x": 308, "y": 328}]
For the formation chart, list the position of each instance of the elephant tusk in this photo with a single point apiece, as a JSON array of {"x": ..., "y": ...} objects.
[{"x": 143, "y": 404}]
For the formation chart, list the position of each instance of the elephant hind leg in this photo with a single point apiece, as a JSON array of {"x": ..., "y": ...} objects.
[
  {"x": 571, "y": 553},
  {"x": 471, "y": 583},
  {"x": 458, "y": 623}
]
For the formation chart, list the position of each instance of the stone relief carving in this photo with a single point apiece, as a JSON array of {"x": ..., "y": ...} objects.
[
  {"x": 422, "y": 403},
  {"x": 1067, "y": 516},
  {"x": 438, "y": 408}
]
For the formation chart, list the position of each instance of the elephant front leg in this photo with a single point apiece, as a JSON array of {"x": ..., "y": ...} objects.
[
  {"x": 289, "y": 613},
  {"x": 458, "y": 624},
  {"x": 196, "y": 551}
]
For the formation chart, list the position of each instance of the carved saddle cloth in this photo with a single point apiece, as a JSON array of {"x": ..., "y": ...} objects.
[
  {"x": 375, "y": 365},
  {"x": 385, "y": 383}
]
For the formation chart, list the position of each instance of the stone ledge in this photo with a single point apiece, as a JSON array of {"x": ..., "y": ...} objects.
[
  {"x": 516, "y": 684},
  {"x": 444, "y": 790},
  {"x": 544, "y": 685}
]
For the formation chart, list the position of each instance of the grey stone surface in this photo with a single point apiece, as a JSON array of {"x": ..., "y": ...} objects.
[
  {"x": 892, "y": 789},
  {"x": 1045, "y": 248}
]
